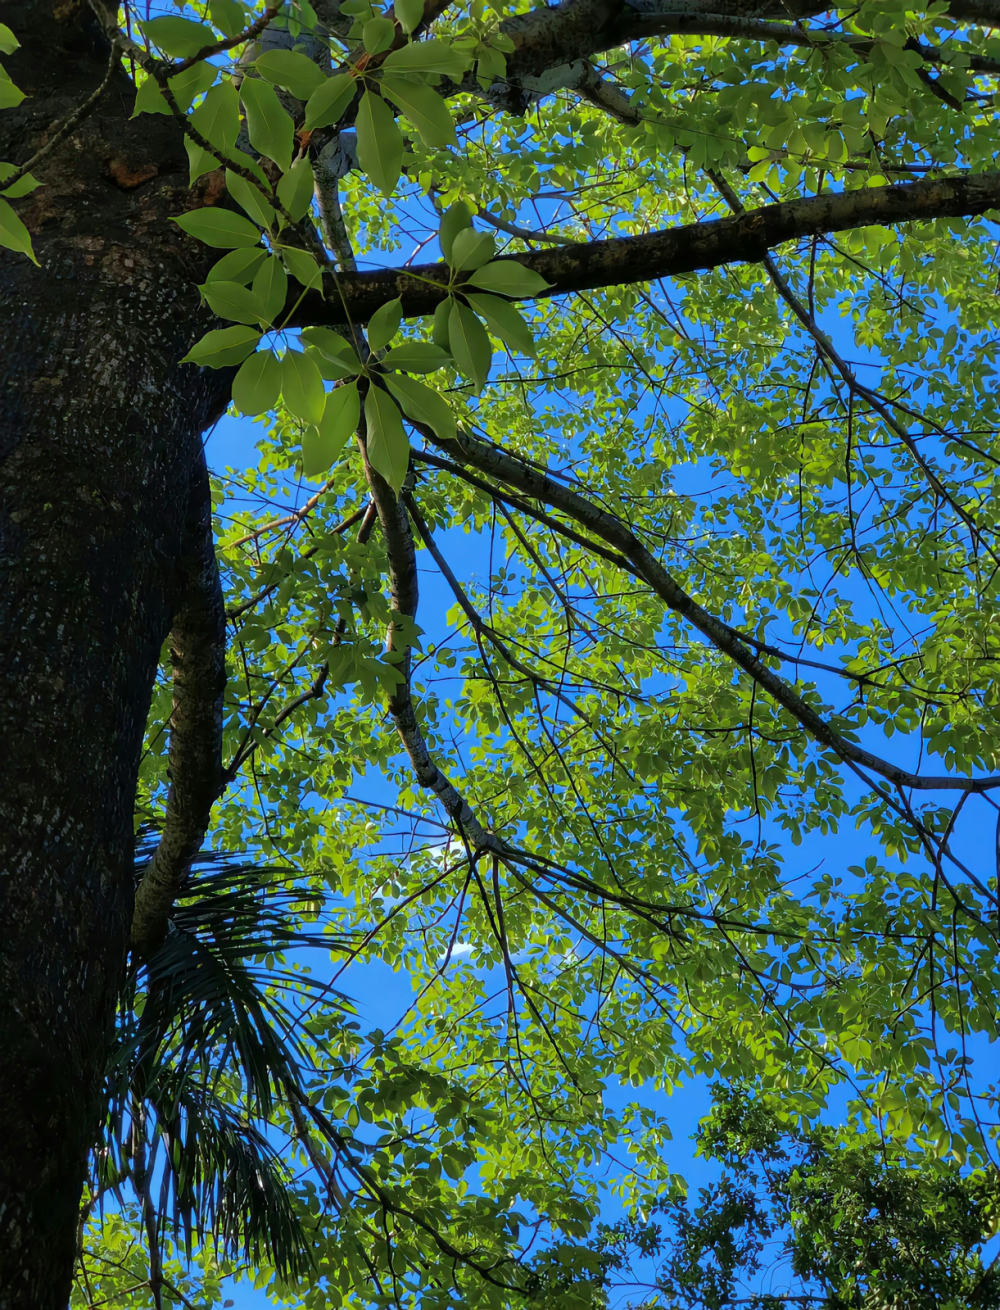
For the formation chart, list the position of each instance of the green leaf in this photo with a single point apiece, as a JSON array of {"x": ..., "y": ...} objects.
[
  {"x": 416, "y": 357},
  {"x": 507, "y": 277},
  {"x": 228, "y": 16},
  {"x": 250, "y": 198},
  {"x": 323, "y": 442},
  {"x": 24, "y": 187},
  {"x": 439, "y": 330},
  {"x": 223, "y": 347},
  {"x": 178, "y": 37},
  {"x": 217, "y": 118},
  {"x": 302, "y": 266},
  {"x": 200, "y": 161},
  {"x": 295, "y": 190},
  {"x": 184, "y": 88},
  {"x": 409, "y": 14},
  {"x": 428, "y": 57},
  {"x": 238, "y": 266},
  {"x": 456, "y": 219},
  {"x": 378, "y": 34},
  {"x": 269, "y": 126},
  {"x": 330, "y": 370},
  {"x": 230, "y": 300},
  {"x": 8, "y": 41},
  {"x": 504, "y": 321},
  {"x": 302, "y": 387},
  {"x": 470, "y": 344},
  {"x": 380, "y": 142},
  {"x": 470, "y": 249},
  {"x": 13, "y": 234},
  {"x": 10, "y": 95},
  {"x": 423, "y": 405},
  {"x": 333, "y": 346},
  {"x": 289, "y": 69},
  {"x": 387, "y": 446},
  {"x": 327, "y": 104},
  {"x": 271, "y": 286},
  {"x": 425, "y": 109},
  {"x": 257, "y": 385},
  {"x": 384, "y": 323},
  {"x": 219, "y": 227}
]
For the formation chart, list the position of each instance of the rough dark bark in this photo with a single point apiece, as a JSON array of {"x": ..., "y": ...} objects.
[{"x": 99, "y": 435}]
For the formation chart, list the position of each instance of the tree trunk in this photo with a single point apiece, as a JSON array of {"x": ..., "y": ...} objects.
[{"x": 99, "y": 442}]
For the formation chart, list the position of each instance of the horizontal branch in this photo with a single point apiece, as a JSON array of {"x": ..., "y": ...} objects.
[
  {"x": 547, "y": 37},
  {"x": 744, "y": 238}
]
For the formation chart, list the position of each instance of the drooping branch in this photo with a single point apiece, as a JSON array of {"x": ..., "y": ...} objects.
[
  {"x": 404, "y": 598},
  {"x": 743, "y": 238},
  {"x": 198, "y": 653},
  {"x": 516, "y": 472}
]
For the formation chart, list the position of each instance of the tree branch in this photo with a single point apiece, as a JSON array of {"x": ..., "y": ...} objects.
[
  {"x": 743, "y": 238},
  {"x": 518, "y": 473},
  {"x": 198, "y": 652}
]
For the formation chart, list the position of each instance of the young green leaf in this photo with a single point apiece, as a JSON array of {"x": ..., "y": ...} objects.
[
  {"x": 416, "y": 357},
  {"x": 268, "y": 125},
  {"x": 302, "y": 387},
  {"x": 380, "y": 142},
  {"x": 271, "y": 286},
  {"x": 470, "y": 249},
  {"x": 423, "y": 405},
  {"x": 219, "y": 227},
  {"x": 425, "y": 109},
  {"x": 238, "y": 266},
  {"x": 302, "y": 266},
  {"x": 199, "y": 161},
  {"x": 323, "y": 442},
  {"x": 409, "y": 14},
  {"x": 250, "y": 198},
  {"x": 504, "y": 321},
  {"x": 507, "y": 277},
  {"x": 387, "y": 446},
  {"x": 439, "y": 329},
  {"x": 295, "y": 190},
  {"x": 428, "y": 57},
  {"x": 8, "y": 41},
  {"x": 184, "y": 87},
  {"x": 378, "y": 34},
  {"x": 257, "y": 385},
  {"x": 10, "y": 95},
  {"x": 178, "y": 37},
  {"x": 24, "y": 187},
  {"x": 384, "y": 323},
  {"x": 470, "y": 345},
  {"x": 223, "y": 347},
  {"x": 228, "y": 16},
  {"x": 327, "y": 104},
  {"x": 230, "y": 300},
  {"x": 217, "y": 118},
  {"x": 289, "y": 69},
  {"x": 13, "y": 234},
  {"x": 456, "y": 219},
  {"x": 333, "y": 346}
]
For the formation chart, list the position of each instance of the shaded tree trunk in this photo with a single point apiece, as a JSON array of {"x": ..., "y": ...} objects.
[{"x": 100, "y": 438}]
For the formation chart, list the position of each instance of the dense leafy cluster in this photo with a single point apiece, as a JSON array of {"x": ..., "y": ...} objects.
[{"x": 589, "y": 834}]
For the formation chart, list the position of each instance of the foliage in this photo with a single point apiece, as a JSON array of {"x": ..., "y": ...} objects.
[{"x": 644, "y": 904}]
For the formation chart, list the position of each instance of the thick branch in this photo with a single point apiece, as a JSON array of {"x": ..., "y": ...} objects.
[
  {"x": 198, "y": 652},
  {"x": 737, "y": 239},
  {"x": 517, "y": 472},
  {"x": 545, "y": 38}
]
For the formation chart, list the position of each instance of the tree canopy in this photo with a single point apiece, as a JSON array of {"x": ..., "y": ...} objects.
[{"x": 663, "y": 336}]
